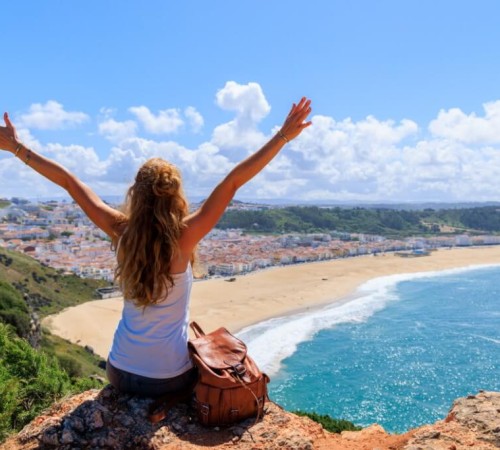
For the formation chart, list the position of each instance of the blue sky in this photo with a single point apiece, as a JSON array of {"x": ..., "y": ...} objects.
[{"x": 405, "y": 94}]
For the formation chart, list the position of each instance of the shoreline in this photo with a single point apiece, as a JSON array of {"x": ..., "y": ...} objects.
[{"x": 263, "y": 295}]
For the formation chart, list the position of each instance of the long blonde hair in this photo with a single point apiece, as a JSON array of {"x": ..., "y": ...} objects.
[{"x": 155, "y": 207}]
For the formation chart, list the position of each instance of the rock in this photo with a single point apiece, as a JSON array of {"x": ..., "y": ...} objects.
[
  {"x": 473, "y": 422},
  {"x": 94, "y": 420},
  {"x": 89, "y": 349},
  {"x": 77, "y": 424},
  {"x": 50, "y": 437},
  {"x": 98, "y": 378},
  {"x": 105, "y": 419},
  {"x": 432, "y": 435},
  {"x": 364, "y": 434},
  {"x": 67, "y": 437}
]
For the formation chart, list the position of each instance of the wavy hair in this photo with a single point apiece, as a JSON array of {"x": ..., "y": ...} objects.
[{"x": 155, "y": 207}]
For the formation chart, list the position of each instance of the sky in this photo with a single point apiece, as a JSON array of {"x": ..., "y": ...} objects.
[{"x": 405, "y": 95}]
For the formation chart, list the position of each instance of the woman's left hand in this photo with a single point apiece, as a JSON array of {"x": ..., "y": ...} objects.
[{"x": 8, "y": 136}]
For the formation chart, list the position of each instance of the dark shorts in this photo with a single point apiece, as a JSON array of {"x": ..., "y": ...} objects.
[{"x": 130, "y": 383}]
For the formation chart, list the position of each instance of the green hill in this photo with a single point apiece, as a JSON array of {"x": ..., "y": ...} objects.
[
  {"x": 49, "y": 291},
  {"x": 27, "y": 287},
  {"x": 392, "y": 223}
]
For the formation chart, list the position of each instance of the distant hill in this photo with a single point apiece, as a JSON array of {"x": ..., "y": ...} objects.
[{"x": 381, "y": 221}]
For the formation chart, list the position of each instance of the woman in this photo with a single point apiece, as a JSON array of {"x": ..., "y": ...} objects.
[{"x": 155, "y": 238}]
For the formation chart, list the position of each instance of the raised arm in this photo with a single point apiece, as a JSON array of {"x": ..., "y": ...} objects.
[
  {"x": 204, "y": 219},
  {"x": 105, "y": 217}
]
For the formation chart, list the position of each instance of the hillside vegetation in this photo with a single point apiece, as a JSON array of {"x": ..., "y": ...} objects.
[
  {"x": 30, "y": 381},
  {"x": 385, "y": 222},
  {"x": 13, "y": 309},
  {"x": 28, "y": 287},
  {"x": 48, "y": 289}
]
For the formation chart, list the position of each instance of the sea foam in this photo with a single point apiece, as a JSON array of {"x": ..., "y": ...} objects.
[{"x": 271, "y": 341}]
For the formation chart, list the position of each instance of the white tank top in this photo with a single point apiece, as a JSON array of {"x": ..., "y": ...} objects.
[{"x": 152, "y": 341}]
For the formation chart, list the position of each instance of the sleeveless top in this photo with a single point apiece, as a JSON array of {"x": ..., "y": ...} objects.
[{"x": 152, "y": 341}]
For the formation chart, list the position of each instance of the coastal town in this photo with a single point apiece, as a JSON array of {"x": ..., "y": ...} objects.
[{"x": 58, "y": 234}]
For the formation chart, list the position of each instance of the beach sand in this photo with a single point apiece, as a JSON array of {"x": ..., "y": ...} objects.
[{"x": 261, "y": 295}]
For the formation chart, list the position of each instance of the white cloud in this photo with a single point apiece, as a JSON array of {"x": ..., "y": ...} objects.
[
  {"x": 195, "y": 119},
  {"x": 247, "y": 100},
  {"x": 346, "y": 156},
  {"x": 201, "y": 168},
  {"x": 116, "y": 131},
  {"x": 334, "y": 159},
  {"x": 18, "y": 179},
  {"x": 251, "y": 106},
  {"x": 275, "y": 189},
  {"x": 50, "y": 116},
  {"x": 83, "y": 161},
  {"x": 165, "y": 122},
  {"x": 456, "y": 125},
  {"x": 232, "y": 135}
]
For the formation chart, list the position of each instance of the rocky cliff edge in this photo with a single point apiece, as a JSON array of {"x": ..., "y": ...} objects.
[{"x": 104, "y": 419}]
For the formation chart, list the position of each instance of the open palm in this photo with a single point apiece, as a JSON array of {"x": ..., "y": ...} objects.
[{"x": 8, "y": 135}]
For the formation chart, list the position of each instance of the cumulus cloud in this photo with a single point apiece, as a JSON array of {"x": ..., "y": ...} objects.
[
  {"x": 50, "y": 116},
  {"x": 83, "y": 161},
  {"x": 165, "y": 122},
  {"x": 456, "y": 157},
  {"x": 247, "y": 100},
  {"x": 344, "y": 157},
  {"x": 456, "y": 125},
  {"x": 116, "y": 131},
  {"x": 194, "y": 118},
  {"x": 250, "y": 105},
  {"x": 232, "y": 136},
  {"x": 201, "y": 167}
]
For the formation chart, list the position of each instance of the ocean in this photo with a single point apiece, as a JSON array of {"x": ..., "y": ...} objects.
[{"x": 397, "y": 353}]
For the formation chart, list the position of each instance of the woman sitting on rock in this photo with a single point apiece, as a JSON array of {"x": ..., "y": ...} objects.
[{"x": 155, "y": 237}]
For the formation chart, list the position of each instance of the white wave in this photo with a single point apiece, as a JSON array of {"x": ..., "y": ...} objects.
[
  {"x": 273, "y": 340},
  {"x": 486, "y": 338}
]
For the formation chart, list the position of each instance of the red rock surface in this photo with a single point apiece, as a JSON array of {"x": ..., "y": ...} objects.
[{"x": 106, "y": 420}]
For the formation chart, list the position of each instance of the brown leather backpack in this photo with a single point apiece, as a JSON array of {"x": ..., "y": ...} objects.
[{"x": 230, "y": 386}]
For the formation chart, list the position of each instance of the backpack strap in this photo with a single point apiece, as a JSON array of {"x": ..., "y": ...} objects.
[
  {"x": 259, "y": 403},
  {"x": 197, "y": 329},
  {"x": 158, "y": 410}
]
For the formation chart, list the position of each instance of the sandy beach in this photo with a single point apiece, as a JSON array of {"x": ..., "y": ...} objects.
[{"x": 261, "y": 295}]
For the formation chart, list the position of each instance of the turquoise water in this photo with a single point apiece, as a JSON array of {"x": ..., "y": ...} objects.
[{"x": 398, "y": 354}]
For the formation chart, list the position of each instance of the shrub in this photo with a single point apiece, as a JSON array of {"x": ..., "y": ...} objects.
[
  {"x": 13, "y": 309},
  {"x": 328, "y": 423},
  {"x": 72, "y": 367},
  {"x": 30, "y": 381},
  {"x": 9, "y": 388}
]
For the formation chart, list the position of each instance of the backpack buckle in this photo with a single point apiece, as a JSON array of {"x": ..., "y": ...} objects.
[
  {"x": 205, "y": 409},
  {"x": 239, "y": 369}
]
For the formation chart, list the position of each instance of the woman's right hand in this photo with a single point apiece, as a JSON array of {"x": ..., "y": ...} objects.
[
  {"x": 8, "y": 136},
  {"x": 294, "y": 123}
]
